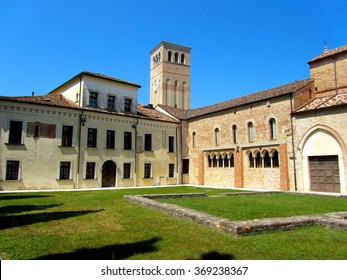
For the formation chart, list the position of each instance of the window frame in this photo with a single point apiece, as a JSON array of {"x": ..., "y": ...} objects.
[
  {"x": 273, "y": 129},
  {"x": 127, "y": 143},
  {"x": 113, "y": 107},
  {"x": 148, "y": 142},
  {"x": 129, "y": 171},
  {"x": 171, "y": 171},
  {"x": 93, "y": 99},
  {"x": 128, "y": 104},
  {"x": 235, "y": 134},
  {"x": 251, "y": 132},
  {"x": 171, "y": 144},
  {"x": 15, "y": 137},
  {"x": 88, "y": 172},
  {"x": 92, "y": 139},
  {"x": 62, "y": 171},
  {"x": 17, "y": 171},
  {"x": 69, "y": 138},
  {"x": 110, "y": 143},
  {"x": 147, "y": 170}
]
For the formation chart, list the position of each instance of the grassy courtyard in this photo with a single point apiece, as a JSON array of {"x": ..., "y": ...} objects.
[{"x": 100, "y": 225}]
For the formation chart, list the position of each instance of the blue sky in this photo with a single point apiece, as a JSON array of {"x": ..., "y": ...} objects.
[{"x": 238, "y": 47}]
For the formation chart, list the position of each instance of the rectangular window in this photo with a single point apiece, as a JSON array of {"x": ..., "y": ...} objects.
[
  {"x": 171, "y": 170},
  {"x": 12, "y": 170},
  {"x": 185, "y": 166},
  {"x": 66, "y": 137},
  {"x": 92, "y": 137},
  {"x": 15, "y": 136},
  {"x": 148, "y": 170},
  {"x": 110, "y": 139},
  {"x": 90, "y": 170},
  {"x": 171, "y": 144},
  {"x": 93, "y": 99},
  {"x": 148, "y": 142},
  {"x": 64, "y": 173},
  {"x": 127, "y": 140},
  {"x": 126, "y": 170},
  {"x": 111, "y": 102},
  {"x": 127, "y": 105}
]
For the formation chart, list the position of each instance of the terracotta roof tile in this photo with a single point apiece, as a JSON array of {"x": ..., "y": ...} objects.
[
  {"x": 178, "y": 113},
  {"x": 251, "y": 98},
  {"x": 324, "y": 102},
  {"x": 48, "y": 99},
  {"x": 153, "y": 114},
  {"x": 329, "y": 53}
]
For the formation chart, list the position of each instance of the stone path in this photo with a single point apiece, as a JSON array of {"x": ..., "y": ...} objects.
[{"x": 332, "y": 220}]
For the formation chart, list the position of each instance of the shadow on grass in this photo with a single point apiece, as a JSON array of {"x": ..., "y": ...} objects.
[
  {"x": 110, "y": 252},
  {"x": 13, "y": 197},
  {"x": 213, "y": 255},
  {"x": 15, "y": 209},
  {"x": 29, "y": 219}
]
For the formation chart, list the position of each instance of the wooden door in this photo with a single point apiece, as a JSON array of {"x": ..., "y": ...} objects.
[{"x": 109, "y": 174}]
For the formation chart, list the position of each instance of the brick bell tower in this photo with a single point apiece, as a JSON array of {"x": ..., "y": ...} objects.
[{"x": 170, "y": 75}]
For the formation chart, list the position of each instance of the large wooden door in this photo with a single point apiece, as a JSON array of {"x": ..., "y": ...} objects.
[
  {"x": 324, "y": 173},
  {"x": 109, "y": 174}
]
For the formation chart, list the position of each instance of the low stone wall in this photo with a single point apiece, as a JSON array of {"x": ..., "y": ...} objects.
[{"x": 331, "y": 220}]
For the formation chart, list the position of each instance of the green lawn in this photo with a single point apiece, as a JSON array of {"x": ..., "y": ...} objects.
[
  {"x": 250, "y": 207},
  {"x": 100, "y": 225}
]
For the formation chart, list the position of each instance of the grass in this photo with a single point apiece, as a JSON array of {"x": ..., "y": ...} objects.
[
  {"x": 250, "y": 207},
  {"x": 100, "y": 225}
]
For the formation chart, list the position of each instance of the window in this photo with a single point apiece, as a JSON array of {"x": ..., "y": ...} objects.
[
  {"x": 220, "y": 161},
  {"x": 183, "y": 58},
  {"x": 251, "y": 160},
  {"x": 185, "y": 166},
  {"x": 93, "y": 99},
  {"x": 176, "y": 57},
  {"x": 226, "y": 162},
  {"x": 171, "y": 170},
  {"x": 64, "y": 170},
  {"x": 126, "y": 170},
  {"x": 127, "y": 105},
  {"x": 258, "y": 161},
  {"x": 12, "y": 170},
  {"x": 127, "y": 140},
  {"x": 194, "y": 139},
  {"x": 15, "y": 136},
  {"x": 275, "y": 159},
  {"x": 148, "y": 170},
  {"x": 111, "y": 102},
  {"x": 171, "y": 144},
  {"x": 170, "y": 56},
  {"x": 90, "y": 170},
  {"x": 37, "y": 131},
  {"x": 92, "y": 137},
  {"x": 235, "y": 136},
  {"x": 273, "y": 129},
  {"x": 148, "y": 142},
  {"x": 250, "y": 132},
  {"x": 267, "y": 160},
  {"x": 66, "y": 137},
  {"x": 110, "y": 139},
  {"x": 217, "y": 137}
]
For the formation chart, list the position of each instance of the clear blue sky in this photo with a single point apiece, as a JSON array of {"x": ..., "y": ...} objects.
[{"x": 238, "y": 47}]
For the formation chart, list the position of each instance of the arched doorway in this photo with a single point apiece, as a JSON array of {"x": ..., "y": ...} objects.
[
  {"x": 323, "y": 162},
  {"x": 109, "y": 174}
]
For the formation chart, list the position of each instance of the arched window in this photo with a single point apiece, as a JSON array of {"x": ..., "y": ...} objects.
[
  {"x": 214, "y": 161},
  {"x": 258, "y": 161},
  {"x": 220, "y": 161},
  {"x": 175, "y": 94},
  {"x": 183, "y": 58},
  {"x": 267, "y": 160},
  {"x": 217, "y": 137},
  {"x": 235, "y": 136},
  {"x": 250, "y": 132},
  {"x": 231, "y": 159},
  {"x": 275, "y": 160},
  {"x": 169, "y": 56},
  {"x": 176, "y": 57},
  {"x": 209, "y": 161},
  {"x": 251, "y": 160},
  {"x": 226, "y": 161},
  {"x": 194, "y": 139},
  {"x": 273, "y": 129}
]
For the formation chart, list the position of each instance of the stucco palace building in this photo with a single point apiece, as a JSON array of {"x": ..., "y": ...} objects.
[{"x": 90, "y": 132}]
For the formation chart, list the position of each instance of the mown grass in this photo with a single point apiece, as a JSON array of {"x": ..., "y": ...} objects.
[
  {"x": 100, "y": 225},
  {"x": 250, "y": 207}
]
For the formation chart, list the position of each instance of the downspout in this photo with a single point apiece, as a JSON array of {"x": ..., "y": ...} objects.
[
  {"x": 79, "y": 135},
  {"x": 178, "y": 150},
  {"x": 293, "y": 148},
  {"x": 134, "y": 125}
]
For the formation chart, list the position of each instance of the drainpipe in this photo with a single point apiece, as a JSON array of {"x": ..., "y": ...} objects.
[
  {"x": 293, "y": 148},
  {"x": 178, "y": 150},
  {"x": 82, "y": 121},
  {"x": 134, "y": 125}
]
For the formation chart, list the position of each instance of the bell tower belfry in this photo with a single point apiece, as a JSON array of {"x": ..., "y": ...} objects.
[{"x": 170, "y": 75}]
